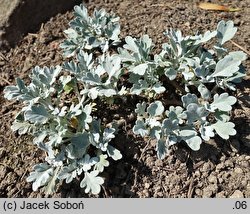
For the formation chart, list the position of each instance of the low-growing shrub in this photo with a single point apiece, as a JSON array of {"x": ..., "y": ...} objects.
[{"x": 60, "y": 102}]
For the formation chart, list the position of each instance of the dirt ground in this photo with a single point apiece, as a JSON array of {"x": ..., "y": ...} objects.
[{"x": 220, "y": 169}]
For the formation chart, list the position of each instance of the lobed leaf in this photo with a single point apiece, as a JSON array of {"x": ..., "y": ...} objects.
[
  {"x": 140, "y": 128},
  {"x": 92, "y": 182},
  {"x": 41, "y": 175},
  {"x": 155, "y": 109},
  {"x": 101, "y": 163},
  {"x": 224, "y": 129},
  {"x": 226, "y": 31},
  {"x": 223, "y": 102},
  {"x": 114, "y": 153},
  {"x": 37, "y": 114},
  {"x": 226, "y": 67}
]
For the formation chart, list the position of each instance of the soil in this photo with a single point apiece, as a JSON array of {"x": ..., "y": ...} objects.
[
  {"x": 219, "y": 169},
  {"x": 32, "y": 13}
]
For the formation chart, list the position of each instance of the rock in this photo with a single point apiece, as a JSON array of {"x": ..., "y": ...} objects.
[
  {"x": 3, "y": 172},
  {"x": 227, "y": 175},
  {"x": 229, "y": 163},
  {"x": 197, "y": 173},
  {"x": 147, "y": 185},
  {"x": 237, "y": 194},
  {"x": 220, "y": 166},
  {"x": 245, "y": 164},
  {"x": 145, "y": 193},
  {"x": 2, "y": 152},
  {"x": 221, "y": 180},
  {"x": 19, "y": 17},
  {"x": 198, "y": 192},
  {"x": 247, "y": 192},
  {"x": 206, "y": 167},
  {"x": 244, "y": 182},
  {"x": 159, "y": 163},
  {"x": 220, "y": 194},
  {"x": 212, "y": 179},
  {"x": 210, "y": 190},
  {"x": 238, "y": 170},
  {"x": 247, "y": 158}
]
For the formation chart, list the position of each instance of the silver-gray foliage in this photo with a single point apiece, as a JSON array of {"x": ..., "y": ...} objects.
[
  {"x": 190, "y": 123},
  {"x": 86, "y": 32},
  {"x": 66, "y": 132},
  {"x": 66, "y": 127}
]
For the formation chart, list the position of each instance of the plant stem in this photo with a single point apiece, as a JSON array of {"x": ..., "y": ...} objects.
[{"x": 240, "y": 47}]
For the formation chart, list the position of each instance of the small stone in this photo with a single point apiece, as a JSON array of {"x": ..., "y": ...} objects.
[
  {"x": 212, "y": 179},
  {"x": 198, "y": 192},
  {"x": 209, "y": 190},
  {"x": 226, "y": 175},
  {"x": 220, "y": 166},
  {"x": 171, "y": 186},
  {"x": 3, "y": 172},
  {"x": 229, "y": 163},
  {"x": 116, "y": 116},
  {"x": 147, "y": 185},
  {"x": 145, "y": 193},
  {"x": 221, "y": 180},
  {"x": 204, "y": 174},
  {"x": 222, "y": 159},
  {"x": 247, "y": 158},
  {"x": 207, "y": 193},
  {"x": 19, "y": 172},
  {"x": 187, "y": 24},
  {"x": 150, "y": 161},
  {"x": 233, "y": 154},
  {"x": 237, "y": 22},
  {"x": 237, "y": 194},
  {"x": 197, "y": 173},
  {"x": 244, "y": 182},
  {"x": 206, "y": 167},
  {"x": 158, "y": 163},
  {"x": 158, "y": 195},
  {"x": 247, "y": 192},
  {"x": 164, "y": 173},
  {"x": 241, "y": 158},
  {"x": 245, "y": 164},
  {"x": 238, "y": 170},
  {"x": 199, "y": 185},
  {"x": 220, "y": 195},
  {"x": 158, "y": 187},
  {"x": 2, "y": 152}
]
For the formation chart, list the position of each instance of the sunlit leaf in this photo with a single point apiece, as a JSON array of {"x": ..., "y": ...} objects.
[
  {"x": 223, "y": 102},
  {"x": 92, "y": 182},
  {"x": 226, "y": 31},
  {"x": 224, "y": 129}
]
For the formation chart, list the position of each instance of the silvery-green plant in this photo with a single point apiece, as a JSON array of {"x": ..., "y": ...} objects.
[
  {"x": 75, "y": 142},
  {"x": 60, "y": 102},
  {"x": 190, "y": 123},
  {"x": 88, "y": 33}
]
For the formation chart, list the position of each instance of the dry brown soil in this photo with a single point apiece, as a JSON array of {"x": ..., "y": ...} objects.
[{"x": 220, "y": 169}]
